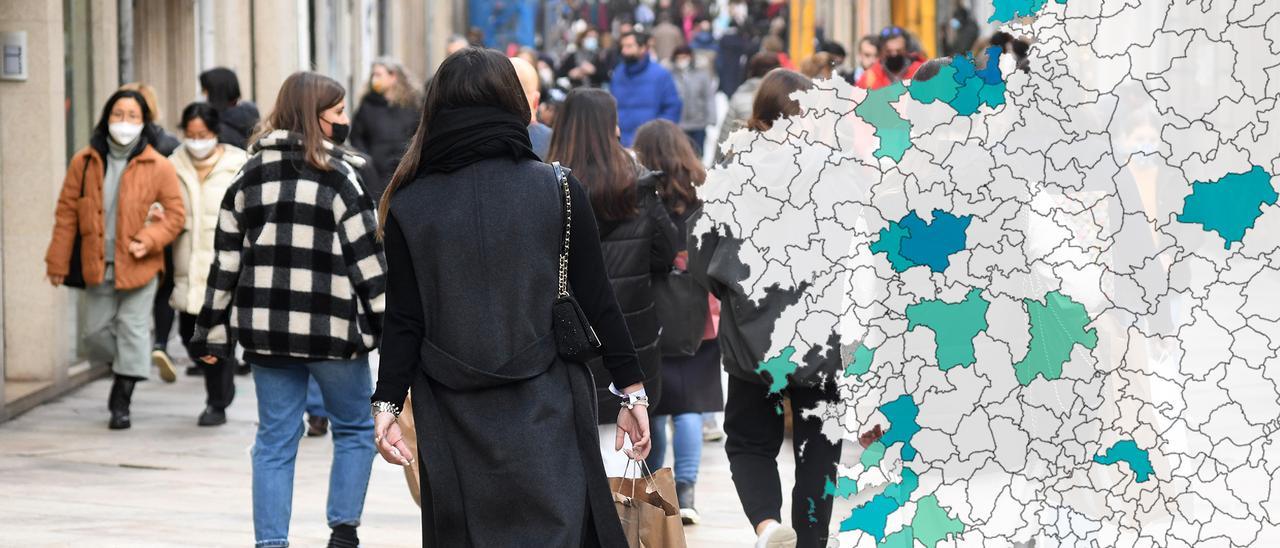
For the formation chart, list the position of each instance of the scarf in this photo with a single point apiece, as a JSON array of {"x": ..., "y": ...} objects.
[
  {"x": 635, "y": 68},
  {"x": 459, "y": 137}
]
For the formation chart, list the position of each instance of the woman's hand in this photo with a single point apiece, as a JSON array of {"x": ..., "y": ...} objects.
[
  {"x": 137, "y": 249},
  {"x": 155, "y": 214},
  {"x": 56, "y": 281},
  {"x": 390, "y": 440},
  {"x": 634, "y": 424}
]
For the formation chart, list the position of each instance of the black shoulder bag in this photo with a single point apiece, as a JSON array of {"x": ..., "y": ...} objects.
[
  {"x": 576, "y": 341},
  {"x": 75, "y": 275}
]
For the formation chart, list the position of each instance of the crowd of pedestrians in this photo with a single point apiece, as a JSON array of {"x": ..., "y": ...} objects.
[{"x": 431, "y": 226}]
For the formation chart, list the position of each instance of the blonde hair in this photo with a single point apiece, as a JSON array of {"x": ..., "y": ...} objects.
[
  {"x": 149, "y": 94},
  {"x": 817, "y": 65},
  {"x": 405, "y": 92}
]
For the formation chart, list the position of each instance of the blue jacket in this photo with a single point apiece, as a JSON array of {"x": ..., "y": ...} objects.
[{"x": 644, "y": 92}]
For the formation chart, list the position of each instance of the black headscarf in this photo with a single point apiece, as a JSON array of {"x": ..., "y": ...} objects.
[{"x": 459, "y": 137}]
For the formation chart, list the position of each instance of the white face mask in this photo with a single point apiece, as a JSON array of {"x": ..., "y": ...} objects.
[
  {"x": 683, "y": 64},
  {"x": 124, "y": 132},
  {"x": 200, "y": 148}
]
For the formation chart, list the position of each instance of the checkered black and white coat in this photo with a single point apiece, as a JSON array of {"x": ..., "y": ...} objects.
[{"x": 298, "y": 270}]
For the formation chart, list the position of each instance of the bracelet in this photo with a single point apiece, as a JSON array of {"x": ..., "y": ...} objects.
[
  {"x": 634, "y": 399},
  {"x": 385, "y": 407}
]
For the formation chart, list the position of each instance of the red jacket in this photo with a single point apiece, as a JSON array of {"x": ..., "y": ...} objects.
[{"x": 877, "y": 77}]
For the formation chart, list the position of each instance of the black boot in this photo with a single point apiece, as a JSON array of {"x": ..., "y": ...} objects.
[
  {"x": 684, "y": 495},
  {"x": 212, "y": 416},
  {"x": 344, "y": 536},
  {"x": 118, "y": 402}
]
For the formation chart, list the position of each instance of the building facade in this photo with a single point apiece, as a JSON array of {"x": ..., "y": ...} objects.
[{"x": 80, "y": 51}]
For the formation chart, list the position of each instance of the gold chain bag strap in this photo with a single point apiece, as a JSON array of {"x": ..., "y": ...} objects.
[{"x": 576, "y": 341}]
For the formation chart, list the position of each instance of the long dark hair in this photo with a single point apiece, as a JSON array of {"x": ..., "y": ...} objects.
[
  {"x": 222, "y": 86},
  {"x": 471, "y": 77},
  {"x": 100, "y": 131},
  {"x": 303, "y": 96},
  {"x": 773, "y": 99},
  {"x": 585, "y": 141},
  {"x": 662, "y": 146}
]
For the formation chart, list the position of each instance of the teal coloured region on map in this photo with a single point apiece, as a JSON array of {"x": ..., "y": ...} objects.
[
  {"x": 954, "y": 326},
  {"x": 942, "y": 87},
  {"x": 843, "y": 487},
  {"x": 963, "y": 86},
  {"x": 930, "y": 526},
  {"x": 872, "y": 517},
  {"x": 894, "y": 132},
  {"x": 862, "y": 357},
  {"x": 1127, "y": 451},
  {"x": 990, "y": 72},
  {"x": 912, "y": 242},
  {"x": 932, "y": 523},
  {"x": 968, "y": 98},
  {"x": 902, "y": 538},
  {"x": 902, "y": 414},
  {"x": 1230, "y": 205},
  {"x": 890, "y": 243},
  {"x": 1007, "y": 10},
  {"x": 872, "y": 455},
  {"x": 777, "y": 368},
  {"x": 901, "y": 492},
  {"x": 1057, "y": 326}
]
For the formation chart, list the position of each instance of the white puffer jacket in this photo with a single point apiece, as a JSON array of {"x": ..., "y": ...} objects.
[{"x": 193, "y": 250}]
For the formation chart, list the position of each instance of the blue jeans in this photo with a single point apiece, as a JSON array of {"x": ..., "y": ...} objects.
[
  {"x": 687, "y": 446},
  {"x": 282, "y": 396},
  {"x": 315, "y": 400}
]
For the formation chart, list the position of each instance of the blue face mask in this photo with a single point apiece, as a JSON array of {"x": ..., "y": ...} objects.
[
  {"x": 955, "y": 24},
  {"x": 590, "y": 44}
]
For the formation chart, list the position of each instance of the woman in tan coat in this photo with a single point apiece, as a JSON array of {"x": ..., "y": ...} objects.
[{"x": 110, "y": 187}]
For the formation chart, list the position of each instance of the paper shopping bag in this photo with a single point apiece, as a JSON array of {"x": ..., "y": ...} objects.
[{"x": 647, "y": 508}]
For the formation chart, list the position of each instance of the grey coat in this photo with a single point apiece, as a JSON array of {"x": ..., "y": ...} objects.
[
  {"x": 739, "y": 111},
  {"x": 697, "y": 89}
]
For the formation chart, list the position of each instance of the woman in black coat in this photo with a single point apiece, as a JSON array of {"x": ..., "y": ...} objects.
[
  {"x": 473, "y": 227},
  {"x": 386, "y": 119},
  {"x": 636, "y": 232},
  {"x": 691, "y": 352}
]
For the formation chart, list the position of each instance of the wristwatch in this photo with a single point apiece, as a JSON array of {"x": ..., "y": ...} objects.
[{"x": 385, "y": 407}]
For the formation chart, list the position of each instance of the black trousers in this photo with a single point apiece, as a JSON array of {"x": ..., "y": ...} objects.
[
  {"x": 220, "y": 377},
  {"x": 754, "y": 428},
  {"x": 160, "y": 309}
]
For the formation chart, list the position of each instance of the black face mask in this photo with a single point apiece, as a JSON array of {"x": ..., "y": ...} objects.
[
  {"x": 895, "y": 62},
  {"x": 631, "y": 59},
  {"x": 340, "y": 132}
]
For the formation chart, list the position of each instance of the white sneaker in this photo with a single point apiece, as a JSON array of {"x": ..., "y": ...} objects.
[
  {"x": 689, "y": 516},
  {"x": 777, "y": 535}
]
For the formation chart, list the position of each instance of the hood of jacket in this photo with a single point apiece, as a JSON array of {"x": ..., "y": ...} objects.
[
  {"x": 280, "y": 139},
  {"x": 242, "y": 116}
]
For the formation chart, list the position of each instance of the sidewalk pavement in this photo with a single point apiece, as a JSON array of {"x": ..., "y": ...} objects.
[{"x": 65, "y": 480}]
